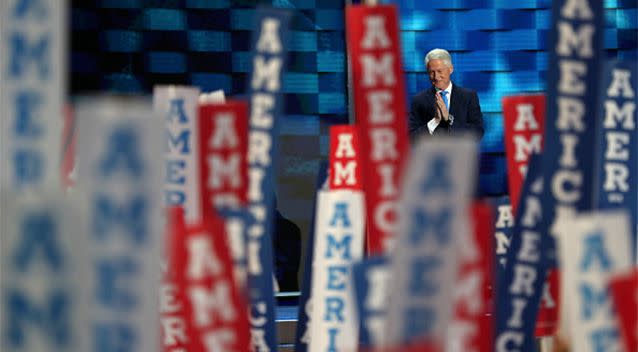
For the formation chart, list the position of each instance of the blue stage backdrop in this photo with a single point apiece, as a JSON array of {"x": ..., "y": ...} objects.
[{"x": 498, "y": 47}]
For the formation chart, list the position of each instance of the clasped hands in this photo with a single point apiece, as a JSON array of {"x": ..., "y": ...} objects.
[{"x": 441, "y": 112}]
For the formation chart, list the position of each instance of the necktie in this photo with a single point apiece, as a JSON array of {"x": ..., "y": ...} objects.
[{"x": 444, "y": 96}]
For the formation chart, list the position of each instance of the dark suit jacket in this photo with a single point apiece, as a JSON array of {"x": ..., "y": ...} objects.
[{"x": 464, "y": 107}]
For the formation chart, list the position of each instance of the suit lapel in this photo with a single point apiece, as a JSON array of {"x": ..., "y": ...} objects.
[{"x": 455, "y": 97}]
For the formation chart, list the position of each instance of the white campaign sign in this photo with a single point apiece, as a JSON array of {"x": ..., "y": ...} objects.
[
  {"x": 39, "y": 262},
  {"x": 433, "y": 216},
  {"x": 120, "y": 163},
  {"x": 595, "y": 247},
  {"x": 32, "y": 91},
  {"x": 339, "y": 239},
  {"x": 178, "y": 107}
]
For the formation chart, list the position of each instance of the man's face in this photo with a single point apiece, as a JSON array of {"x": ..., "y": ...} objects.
[{"x": 439, "y": 73}]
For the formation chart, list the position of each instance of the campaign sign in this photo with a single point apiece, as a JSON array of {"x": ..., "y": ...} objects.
[
  {"x": 339, "y": 236},
  {"x": 595, "y": 248},
  {"x": 223, "y": 149},
  {"x": 434, "y": 212},
  {"x": 524, "y": 120},
  {"x": 176, "y": 330},
  {"x": 370, "y": 279},
  {"x": 304, "y": 313},
  {"x": 520, "y": 286},
  {"x": 270, "y": 40},
  {"x": 618, "y": 158},
  {"x": 119, "y": 151},
  {"x": 38, "y": 273},
  {"x": 547, "y": 318},
  {"x": 235, "y": 221},
  {"x": 471, "y": 328},
  {"x": 178, "y": 108},
  {"x": 214, "y": 306},
  {"x": 569, "y": 145},
  {"x": 345, "y": 169},
  {"x": 576, "y": 42},
  {"x": 624, "y": 290},
  {"x": 33, "y": 43},
  {"x": 379, "y": 93},
  {"x": 503, "y": 226},
  {"x": 214, "y": 97}
]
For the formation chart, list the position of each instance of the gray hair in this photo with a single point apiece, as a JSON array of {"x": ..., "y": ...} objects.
[{"x": 439, "y": 54}]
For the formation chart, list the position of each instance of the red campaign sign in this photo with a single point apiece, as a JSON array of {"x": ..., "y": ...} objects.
[
  {"x": 345, "y": 172},
  {"x": 176, "y": 332},
  {"x": 379, "y": 93},
  {"x": 624, "y": 290},
  {"x": 223, "y": 154},
  {"x": 472, "y": 325},
  {"x": 524, "y": 120},
  {"x": 213, "y": 307},
  {"x": 547, "y": 320},
  {"x": 417, "y": 346}
]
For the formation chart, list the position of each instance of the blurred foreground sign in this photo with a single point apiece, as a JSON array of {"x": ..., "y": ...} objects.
[
  {"x": 120, "y": 163},
  {"x": 434, "y": 212},
  {"x": 32, "y": 91},
  {"x": 39, "y": 260},
  {"x": 594, "y": 249}
]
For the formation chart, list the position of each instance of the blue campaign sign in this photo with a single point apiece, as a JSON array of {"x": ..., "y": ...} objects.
[
  {"x": 617, "y": 156},
  {"x": 575, "y": 60},
  {"x": 269, "y": 43},
  {"x": 302, "y": 334},
  {"x": 520, "y": 285},
  {"x": 235, "y": 221},
  {"x": 503, "y": 226},
  {"x": 370, "y": 281}
]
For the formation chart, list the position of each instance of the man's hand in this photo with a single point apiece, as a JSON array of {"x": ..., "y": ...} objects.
[{"x": 441, "y": 111}]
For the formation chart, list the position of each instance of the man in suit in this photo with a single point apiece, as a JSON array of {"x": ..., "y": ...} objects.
[{"x": 445, "y": 108}]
